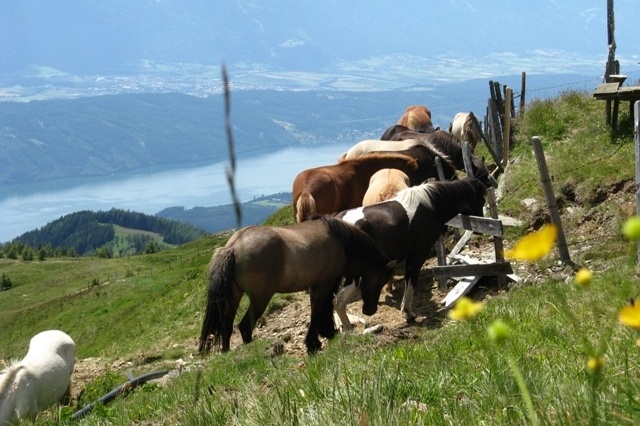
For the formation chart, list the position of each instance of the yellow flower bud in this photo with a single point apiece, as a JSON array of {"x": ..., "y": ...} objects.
[
  {"x": 583, "y": 277},
  {"x": 595, "y": 364}
]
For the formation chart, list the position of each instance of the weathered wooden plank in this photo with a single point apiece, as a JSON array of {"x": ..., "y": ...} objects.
[
  {"x": 606, "y": 90},
  {"x": 489, "y": 269},
  {"x": 471, "y": 261},
  {"x": 629, "y": 93},
  {"x": 483, "y": 225},
  {"x": 463, "y": 287}
]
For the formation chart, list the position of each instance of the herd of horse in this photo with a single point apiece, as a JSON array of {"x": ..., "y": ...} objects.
[{"x": 382, "y": 203}]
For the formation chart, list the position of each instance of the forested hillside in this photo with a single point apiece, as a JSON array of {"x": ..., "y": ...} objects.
[
  {"x": 84, "y": 232},
  {"x": 219, "y": 218}
]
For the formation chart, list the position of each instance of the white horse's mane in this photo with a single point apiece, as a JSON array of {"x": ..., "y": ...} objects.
[{"x": 413, "y": 197}]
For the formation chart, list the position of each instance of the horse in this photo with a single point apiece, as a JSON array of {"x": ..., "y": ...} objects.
[
  {"x": 424, "y": 153},
  {"x": 451, "y": 147},
  {"x": 263, "y": 260},
  {"x": 407, "y": 227},
  {"x": 463, "y": 128},
  {"x": 385, "y": 184},
  {"x": 415, "y": 117},
  {"x": 40, "y": 379},
  {"x": 330, "y": 189}
]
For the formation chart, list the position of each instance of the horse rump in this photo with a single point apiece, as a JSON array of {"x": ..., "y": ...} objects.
[
  {"x": 216, "y": 328},
  {"x": 305, "y": 207}
]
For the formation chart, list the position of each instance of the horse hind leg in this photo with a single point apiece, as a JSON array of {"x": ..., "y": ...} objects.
[
  {"x": 407, "y": 302},
  {"x": 65, "y": 399},
  {"x": 340, "y": 302},
  {"x": 326, "y": 324},
  {"x": 254, "y": 312}
]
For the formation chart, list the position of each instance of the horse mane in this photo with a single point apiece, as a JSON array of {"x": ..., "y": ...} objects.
[
  {"x": 412, "y": 162},
  {"x": 436, "y": 193},
  {"x": 358, "y": 245},
  {"x": 440, "y": 140},
  {"x": 437, "y": 152}
]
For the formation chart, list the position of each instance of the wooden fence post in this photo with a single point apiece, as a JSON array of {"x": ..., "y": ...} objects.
[
  {"x": 506, "y": 132},
  {"x": 523, "y": 85},
  {"x": 636, "y": 127},
  {"x": 545, "y": 180}
]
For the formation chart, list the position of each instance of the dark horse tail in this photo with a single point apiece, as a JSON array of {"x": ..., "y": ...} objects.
[{"x": 221, "y": 272}]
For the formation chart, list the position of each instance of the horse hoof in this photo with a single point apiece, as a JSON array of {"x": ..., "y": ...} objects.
[{"x": 411, "y": 319}]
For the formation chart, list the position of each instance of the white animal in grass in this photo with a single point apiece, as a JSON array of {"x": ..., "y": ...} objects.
[{"x": 40, "y": 379}]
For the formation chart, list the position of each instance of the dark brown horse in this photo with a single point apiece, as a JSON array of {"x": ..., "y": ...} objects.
[
  {"x": 425, "y": 154},
  {"x": 330, "y": 189},
  {"x": 407, "y": 226},
  {"x": 263, "y": 260},
  {"x": 451, "y": 146}
]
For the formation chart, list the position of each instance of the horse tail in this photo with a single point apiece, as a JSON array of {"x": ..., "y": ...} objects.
[
  {"x": 305, "y": 207},
  {"x": 221, "y": 272},
  {"x": 8, "y": 394}
]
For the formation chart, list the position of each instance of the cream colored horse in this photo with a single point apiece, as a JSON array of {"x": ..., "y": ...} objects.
[
  {"x": 463, "y": 128},
  {"x": 385, "y": 184},
  {"x": 40, "y": 379}
]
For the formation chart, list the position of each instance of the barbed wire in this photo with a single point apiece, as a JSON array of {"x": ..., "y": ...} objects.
[
  {"x": 572, "y": 83},
  {"x": 563, "y": 172}
]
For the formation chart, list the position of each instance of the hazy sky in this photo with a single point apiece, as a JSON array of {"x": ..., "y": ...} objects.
[{"x": 117, "y": 36}]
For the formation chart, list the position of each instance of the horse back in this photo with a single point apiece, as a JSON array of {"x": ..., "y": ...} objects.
[
  {"x": 385, "y": 184},
  {"x": 289, "y": 258},
  {"x": 317, "y": 191}
]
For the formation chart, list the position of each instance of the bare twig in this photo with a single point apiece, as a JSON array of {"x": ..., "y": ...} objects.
[{"x": 231, "y": 170}]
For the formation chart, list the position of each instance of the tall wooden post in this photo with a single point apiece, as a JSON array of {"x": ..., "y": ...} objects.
[
  {"x": 506, "y": 132},
  {"x": 611, "y": 42},
  {"x": 611, "y": 67}
]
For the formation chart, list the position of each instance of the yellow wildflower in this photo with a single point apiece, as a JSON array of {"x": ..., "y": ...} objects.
[
  {"x": 535, "y": 245},
  {"x": 630, "y": 315},
  {"x": 583, "y": 277},
  {"x": 465, "y": 308},
  {"x": 595, "y": 364}
]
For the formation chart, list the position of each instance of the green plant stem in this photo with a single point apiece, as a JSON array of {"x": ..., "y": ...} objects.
[{"x": 526, "y": 396}]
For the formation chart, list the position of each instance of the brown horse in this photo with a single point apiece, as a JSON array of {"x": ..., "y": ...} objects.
[
  {"x": 463, "y": 128},
  {"x": 385, "y": 184},
  {"x": 330, "y": 189},
  {"x": 263, "y": 260},
  {"x": 415, "y": 117}
]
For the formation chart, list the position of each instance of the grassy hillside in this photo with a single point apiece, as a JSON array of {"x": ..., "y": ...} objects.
[{"x": 144, "y": 313}]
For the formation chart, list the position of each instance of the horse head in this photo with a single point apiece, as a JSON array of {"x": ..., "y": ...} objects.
[
  {"x": 474, "y": 204},
  {"x": 417, "y": 118},
  {"x": 371, "y": 286}
]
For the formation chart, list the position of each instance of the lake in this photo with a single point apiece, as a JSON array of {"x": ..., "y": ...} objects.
[{"x": 26, "y": 207}]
